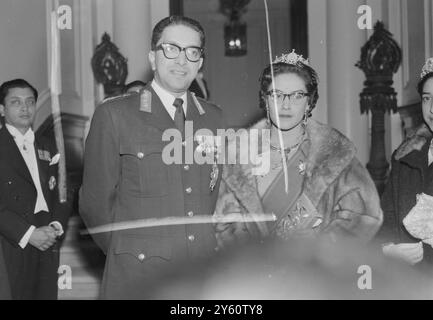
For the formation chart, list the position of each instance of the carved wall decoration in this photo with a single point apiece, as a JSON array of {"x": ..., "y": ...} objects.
[
  {"x": 109, "y": 66},
  {"x": 380, "y": 59}
]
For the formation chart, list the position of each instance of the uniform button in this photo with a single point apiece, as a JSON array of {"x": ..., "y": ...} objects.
[
  {"x": 188, "y": 190},
  {"x": 191, "y": 237},
  {"x": 141, "y": 256},
  {"x": 9, "y": 182},
  {"x": 140, "y": 155},
  {"x": 186, "y": 167},
  {"x": 190, "y": 214}
]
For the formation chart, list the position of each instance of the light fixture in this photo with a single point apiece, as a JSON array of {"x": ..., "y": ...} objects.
[{"x": 235, "y": 31}]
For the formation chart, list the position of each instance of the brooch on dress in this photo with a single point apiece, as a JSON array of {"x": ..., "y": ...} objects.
[
  {"x": 302, "y": 221},
  {"x": 302, "y": 167}
]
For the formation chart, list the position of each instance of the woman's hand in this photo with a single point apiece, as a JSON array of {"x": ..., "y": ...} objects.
[
  {"x": 429, "y": 241},
  {"x": 410, "y": 252}
]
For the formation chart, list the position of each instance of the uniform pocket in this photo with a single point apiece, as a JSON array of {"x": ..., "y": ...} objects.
[
  {"x": 144, "y": 173},
  {"x": 137, "y": 259},
  {"x": 144, "y": 248}
]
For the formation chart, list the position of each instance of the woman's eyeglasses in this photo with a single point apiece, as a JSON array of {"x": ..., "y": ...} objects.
[
  {"x": 296, "y": 97},
  {"x": 172, "y": 51}
]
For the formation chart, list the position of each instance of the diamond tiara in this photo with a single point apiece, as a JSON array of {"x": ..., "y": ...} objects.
[
  {"x": 291, "y": 58},
  {"x": 427, "y": 68}
]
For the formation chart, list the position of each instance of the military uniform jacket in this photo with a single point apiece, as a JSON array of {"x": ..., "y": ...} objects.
[
  {"x": 126, "y": 179},
  {"x": 18, "y": 194}
]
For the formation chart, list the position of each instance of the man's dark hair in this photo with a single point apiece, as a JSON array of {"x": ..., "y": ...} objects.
[
  {"x": 135, "y": 83},
  {"x": 175, "y": 21},
  {"x": 16, "y": 83}
]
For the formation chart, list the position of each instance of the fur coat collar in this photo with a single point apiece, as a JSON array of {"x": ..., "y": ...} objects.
[
  {"x": 329, "y": 154},
  {"x": 415, "y": 141}
]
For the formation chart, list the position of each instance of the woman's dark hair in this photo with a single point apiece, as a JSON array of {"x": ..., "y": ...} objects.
[
  {"x": 423, "y": 80},
  {"x": 302, "y": 70}
]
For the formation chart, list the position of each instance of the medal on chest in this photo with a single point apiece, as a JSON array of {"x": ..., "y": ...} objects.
[{"x": 213, "y": 177}]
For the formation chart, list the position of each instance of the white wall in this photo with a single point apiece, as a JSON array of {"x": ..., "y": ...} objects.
[
  {"x": 335, "y": 43},
  {"x": 23, "y": 42}
]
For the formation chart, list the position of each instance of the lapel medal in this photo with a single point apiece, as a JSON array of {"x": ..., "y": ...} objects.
[
  {"x": 52, "y": 183},
  {"x": 44, "y": 155},
  {"x": 213, "y": 176}
]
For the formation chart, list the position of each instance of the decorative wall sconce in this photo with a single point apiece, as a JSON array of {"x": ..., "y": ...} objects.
[
  {"x": 235, "y": 31},
  {"x": 380, "y": 59},
  {"x": 109, "y": 67}
]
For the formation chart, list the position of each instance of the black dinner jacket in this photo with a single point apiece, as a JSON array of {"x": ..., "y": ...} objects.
[{"x": 17, "y": 191}]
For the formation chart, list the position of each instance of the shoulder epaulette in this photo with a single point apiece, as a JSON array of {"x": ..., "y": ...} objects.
[
  {"x": 146, "y": 100},
  {"x": 118, "y": 97}
]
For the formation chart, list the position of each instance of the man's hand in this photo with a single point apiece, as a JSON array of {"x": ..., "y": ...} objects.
[
  {"x": 43, "y": 238},
  {"x": 57, "y": 227},
  {"x": 409, "y": 252}
]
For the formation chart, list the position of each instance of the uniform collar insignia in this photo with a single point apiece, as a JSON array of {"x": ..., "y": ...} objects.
[
  {"x": 146, "y": 101},
  {"x": 197, "y": 104}
]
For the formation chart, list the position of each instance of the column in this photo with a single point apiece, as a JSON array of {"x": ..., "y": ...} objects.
[{"x": 334, "y": 50}]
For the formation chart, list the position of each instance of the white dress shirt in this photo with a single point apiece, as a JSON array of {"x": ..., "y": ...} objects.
[
  {"x": 167, "y": 99},
  {"x": 25, "y": 144}
]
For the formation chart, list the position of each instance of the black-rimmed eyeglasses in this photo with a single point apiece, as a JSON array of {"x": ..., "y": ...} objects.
[
  {"x": 172, "y": 51},
  {"x": 296, "y": 97}
]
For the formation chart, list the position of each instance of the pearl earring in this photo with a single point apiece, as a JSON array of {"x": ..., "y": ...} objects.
[{"x": 305, "y": 120}]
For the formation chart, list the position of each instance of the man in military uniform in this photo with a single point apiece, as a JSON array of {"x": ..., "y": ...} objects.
[
  {"x": 31, "y": 215},
  {"x": 127, "y": 179}
]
